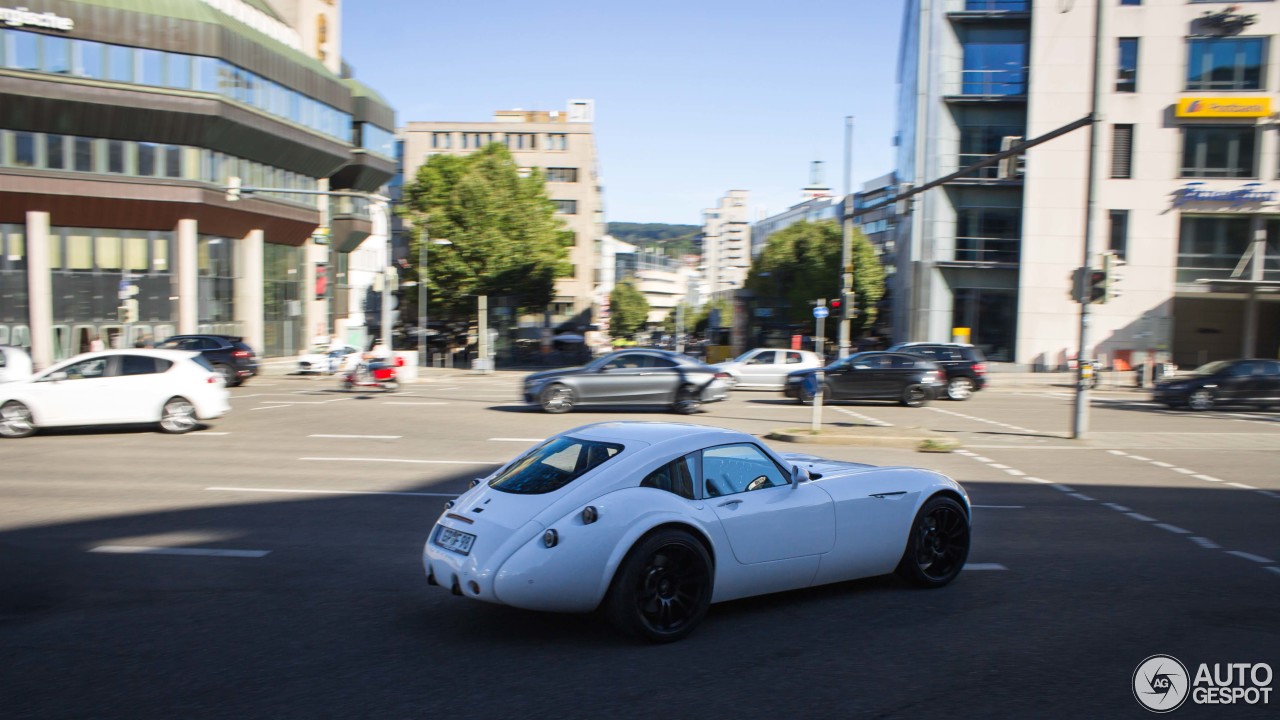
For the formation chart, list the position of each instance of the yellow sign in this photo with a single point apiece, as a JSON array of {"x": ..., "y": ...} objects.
[{"x": 1224, "y": 107}]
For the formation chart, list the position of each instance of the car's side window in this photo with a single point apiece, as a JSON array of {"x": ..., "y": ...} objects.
[
  {"x": 625, "y": 362},
  {"x": 674, "y": 477},
  {"x": 137, "y": 365},
  {"x": 763, "y": 358},
  {"x": 793, "y": 358},
  {"x": 1244, "y": 369},
  {"x": 902, "y": 362},
  {"x": 873, "y": 362},
  {"x": 1271, "y": 369},
  {"x": 205, "y": 344},
  {"x": 661, "y": 362},
  {"x": 87, "y": 369},
  {"x": 742, "y": 467}
]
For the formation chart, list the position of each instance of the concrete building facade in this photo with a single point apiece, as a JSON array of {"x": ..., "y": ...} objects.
[
  {"x": 121, "y": 125},
  {"x": 561, "y": 144},
  {"x": 1187, "y": 197},
  {"x": 726, "y": 245}
]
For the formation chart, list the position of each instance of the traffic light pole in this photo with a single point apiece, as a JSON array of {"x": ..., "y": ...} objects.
[
  {"x": 1085, "y": 369},
  {"x": 846, "y": 247}
]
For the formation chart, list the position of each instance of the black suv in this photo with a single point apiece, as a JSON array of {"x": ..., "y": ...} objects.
[
  {"x": 230, "y": 356},
  {"x": 964, "y": 365}
]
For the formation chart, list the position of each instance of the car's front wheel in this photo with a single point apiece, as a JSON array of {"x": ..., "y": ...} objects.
[
  {"x": 178, "y": 416},
  {"x": 938, "y": 544},
  {"x": 915, "y": 396},
  {"x": 16, "y": 420},
  {"x": 557, "y": 399},
  {"x": 959, "y": 388},
  {"x": 1201, "y": 399},
  {"x": 662, "y": 589}
]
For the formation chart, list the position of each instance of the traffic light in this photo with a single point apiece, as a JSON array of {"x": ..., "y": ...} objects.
[
  {"x": 1076, "y": 280},
  {"x": 849, "y": 305},
  {"x": 1097, "y": 286},
  {"x": 127, "y": 312}
]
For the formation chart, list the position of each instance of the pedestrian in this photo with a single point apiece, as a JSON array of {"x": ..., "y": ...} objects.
[{"x": 95, "y": 344}]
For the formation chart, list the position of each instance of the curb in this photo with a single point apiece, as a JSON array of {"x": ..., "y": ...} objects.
[{"x": 909, "y": 442}]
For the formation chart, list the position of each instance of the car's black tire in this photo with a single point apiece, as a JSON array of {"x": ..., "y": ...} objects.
[
  {"x": 662, "y": 588},
  {"x": 556, "y": 398},
  {"x": 688, "y": 400},
  {"x": 915, "y": 396},
  {"x": 16, "y": 420},
  {"x": 1201, "y": 399},
  {"x": 178, "y": 416},
  {"x": 937, "y": 543},
  {"x": 228, "y": 374},
  {"x": 960, "y": 388},
  {"x": 806, "y": 398}
]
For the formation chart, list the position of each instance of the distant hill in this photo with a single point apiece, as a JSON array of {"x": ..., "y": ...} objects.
[{"x": 675, "y": 240}]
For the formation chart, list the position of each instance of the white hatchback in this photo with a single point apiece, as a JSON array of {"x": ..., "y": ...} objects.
[
  {"x": 174, "y": 388},
  {"x": 767, "y": 368}
]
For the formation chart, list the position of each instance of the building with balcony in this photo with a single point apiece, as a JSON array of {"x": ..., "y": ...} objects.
[
  {"x": 1187, "y": 197},
  {"x": 562, "y": 145},
  {"x": 121, "y": 125},
  {"x": 726, "y": 245}
]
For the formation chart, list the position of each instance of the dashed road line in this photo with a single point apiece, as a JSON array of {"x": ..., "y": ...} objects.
[
  {"x": 1081, "y": 496},
  {"x": 1062, "y": 488},
  {"x": 415, "y": 403},
  {"x": 864, "y": 418},
  {"x": 1200, "y": 476},
  {"x": 1250, "y": 556},
  {"x": 984, "y": 566},
  {"x": 1173, "y": 529},
  {"x": 359, "y": 437},
  {"x": 1117, "y": 508},
  {"x": 1242, "y": 486},
  {"x": 204, "y": 552},
  {"x": 1205, "y": 543},
  {"x": 1141, "y": 517},
  {"x": 997, "y": 423}
]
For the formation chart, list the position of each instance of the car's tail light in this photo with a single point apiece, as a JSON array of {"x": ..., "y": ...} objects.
[
  {"x": 723, "y": 376},
  {"x": 213, "y": 379},
  {"x": 242, "y": 354},
  {"x": 979, "y": 368}
]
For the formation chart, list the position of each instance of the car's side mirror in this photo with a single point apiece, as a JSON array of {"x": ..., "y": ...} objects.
[
  {"x": 798, "y": 475},
  {"x": 56, "y": 377}
]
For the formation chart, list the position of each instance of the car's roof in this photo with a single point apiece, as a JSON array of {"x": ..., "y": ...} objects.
[
  {"x": 172, "y": 355},
  {"x": 646, "y": 431},
  {"x": 228, "y": 338},
  {"x": 935, "y": 344}
]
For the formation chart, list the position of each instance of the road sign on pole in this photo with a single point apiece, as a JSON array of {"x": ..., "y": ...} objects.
[{"x": 821, "y": 311}]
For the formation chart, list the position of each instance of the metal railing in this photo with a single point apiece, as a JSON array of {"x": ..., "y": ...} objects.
[
  {"x": 987, "y": 250},
  {"x": 987, "y": 83}
]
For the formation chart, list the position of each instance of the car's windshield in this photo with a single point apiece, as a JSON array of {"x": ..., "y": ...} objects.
[
  {"x": 553, "y": 465},
  {"x": 1210, "y": 368}
]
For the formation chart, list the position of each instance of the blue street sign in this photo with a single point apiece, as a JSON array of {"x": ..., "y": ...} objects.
[{"x": 820, "y": 311}]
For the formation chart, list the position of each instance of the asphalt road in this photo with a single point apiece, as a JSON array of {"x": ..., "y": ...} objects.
[{"x": 1159, "y": 535}]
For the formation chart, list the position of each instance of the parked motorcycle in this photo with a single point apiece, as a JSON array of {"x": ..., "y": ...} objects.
[{"x": 381, "y": 376}]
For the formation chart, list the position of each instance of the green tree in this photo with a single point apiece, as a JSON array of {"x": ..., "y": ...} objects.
[
  {"x": 628, "y": 310},
  {"x": 504, "y": 237},
  {"x": 801, "y": 263}
]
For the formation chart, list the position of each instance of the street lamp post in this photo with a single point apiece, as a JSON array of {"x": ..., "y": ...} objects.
[{"x": 422, "y": 291}]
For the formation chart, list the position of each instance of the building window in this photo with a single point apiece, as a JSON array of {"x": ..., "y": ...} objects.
[
  {"x": 557, "y": 141},
  {"x": 441, "y": 140},
  {"x": 556, "y": 174},
  {"x": 1122, "y": 151},
  {"x": 566, "y": 207},
  {"x": 53, "y": 151},
  {"x": 1230, "y": 63},
  {"x": 1119, "y": 233},
  {"x": 995, "y": 62},
  {"x": 146, "y": 159},
  {"x": 1211, "y": 247},
  {"x": 1127, "y": 72},
  {"x": 24, "y": 149},
  {"x": 83, "y": 154},
  {"x": 115, "y": 156},
  {"x": 1218, "y": 152}
]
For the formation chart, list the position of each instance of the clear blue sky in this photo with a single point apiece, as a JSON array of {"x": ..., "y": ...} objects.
[{"x": 693, "y": 98}]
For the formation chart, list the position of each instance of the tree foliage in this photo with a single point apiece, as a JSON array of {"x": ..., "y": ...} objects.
[
  {"x": 504, "y": 237},
  {"x": 628, "y": 310},
  {"x": 801, "y": 263}
]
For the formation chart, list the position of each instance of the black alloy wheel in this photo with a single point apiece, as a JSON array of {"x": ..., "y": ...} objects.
[
  {"x": 915, "y": 396},
  {"x": 959, "y": 388},
  {"x": 938, "y": 545},
  {"x": 228, "y": 374},
  {"x": 556, "y": 398},
  {"x": 1201, "y": 399},
  {"x": 16, "y": 420},
  {"x": 687, "y": 400},
  {"x": 663, "y": 587}
]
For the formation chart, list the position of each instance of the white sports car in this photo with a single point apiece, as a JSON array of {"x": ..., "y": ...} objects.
[{"x": 653, "y": 522}]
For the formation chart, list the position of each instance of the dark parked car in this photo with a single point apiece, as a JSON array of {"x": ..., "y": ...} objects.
[
  {"x": 909, "y": 379},
  {"x": 1223, "y": 382},
  {"x": 964, "y": 366},
  {"x": 629, "y": 377},
  {"x": 230, "y": 356}
]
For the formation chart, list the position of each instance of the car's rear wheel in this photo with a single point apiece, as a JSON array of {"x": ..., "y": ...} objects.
[
  {"x": 959, "y": 388},
  {"x": 687, "y": 400},
  {"x": 1201, "y": 399},
  {"x": 662, "y": 589},
  {"x": 915, "y": 396},
  {"x": 178, "y": 416},
  {"x": 228, "y": 374},
  {"x": 938, "y": 544},
  {"x": 16, "y": 420},
  {"x": 557, "y": 399}
]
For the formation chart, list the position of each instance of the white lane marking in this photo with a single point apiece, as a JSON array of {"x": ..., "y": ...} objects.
[
  {"x": 1207, "y": 478},
  {"x": 207, "y": 432},
  {"x": 1000, "y": 507},
  {"x": 516, "y": 439},
  {"x": 1062, "y": 488},
  {"x": 1038, "y": 480},
  {"x": 864, "y": 418},
  {"x": 1184, "y": 471},
  {"x": 1205, "y": 543},
  {"x": 205, "y": 552},
  {"x": 270, "y": 407},
  {"x": 1250, "y": 556},
  {"x": 415, "y": 403},
  {"x": 1118, "y": 452},
  {"x": 1015, "y": 473},
  {"x": 978, "y": 419},
  {"x": 1118, "y": 508},
  {"x": 399, "y": 460},
  {"x": 1140, "y": 516},
  {"x": 998, "y": 466},
  {"x": 984, "y": 566},
  {"x": 1080, "y": 496},
  {"x": 1269, "y": 494},
  {"x": 979, "y": 458},
  {"x": 1139, "y": 457},
  {"x": 328, "y": 492},
  {"x": 1242, "y": 486},
  {"x": 1173, "y": 529},
  {"x": 1157, "y": 463},
  {"x": 361, "y": 437}
]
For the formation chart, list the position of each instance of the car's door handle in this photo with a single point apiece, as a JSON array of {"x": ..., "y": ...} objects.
[
  {"x": 730, "y": 503},
  {"x": 883, "y": 495}
]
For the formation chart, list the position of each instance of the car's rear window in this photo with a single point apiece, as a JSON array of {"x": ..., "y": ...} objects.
[
  {"x": 202, "y": 362},
  {"x": 553, "y": 465}
]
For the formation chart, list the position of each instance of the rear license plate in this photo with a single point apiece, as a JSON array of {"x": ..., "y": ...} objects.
[{"x": 454, "y": 540}]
